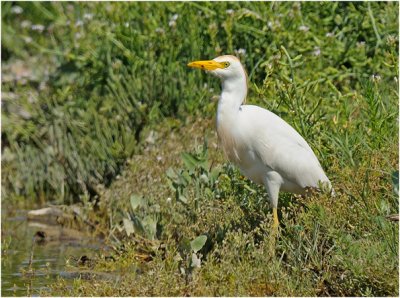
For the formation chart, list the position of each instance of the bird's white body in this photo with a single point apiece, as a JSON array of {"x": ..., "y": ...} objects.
[
  {"x": 266, "y": 148},
  {"x": 270, "y": 151}
]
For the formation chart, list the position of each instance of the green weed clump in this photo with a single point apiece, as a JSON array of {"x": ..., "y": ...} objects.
[
  {"x": 217, "y": 240},
  {"x": 82, "y": 80}
]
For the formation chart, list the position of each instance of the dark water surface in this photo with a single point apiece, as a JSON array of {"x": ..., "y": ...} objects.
[{"x": 49, "y": 262}]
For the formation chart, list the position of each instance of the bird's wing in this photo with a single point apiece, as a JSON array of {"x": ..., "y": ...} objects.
[{"x": 281, "y": 148}]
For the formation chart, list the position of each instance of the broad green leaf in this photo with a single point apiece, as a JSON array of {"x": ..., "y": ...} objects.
[
  {"x": 185, "y": 178},
  {"x": 190, "y": 161},
  {"x": 149, "y": 224},
  {"x": 171, "y": 174},
  {"x": 136, "y": 201},
  {"x": 138, "y": 226},
  {"x": 198, "y": 243},
  {"x": 215, "y": 172},
  {"x": 128, "y": 225},
  {"x": 182, "y": 198}
]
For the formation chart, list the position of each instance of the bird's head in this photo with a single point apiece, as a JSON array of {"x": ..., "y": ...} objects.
[{"x": 224, "y": 67}]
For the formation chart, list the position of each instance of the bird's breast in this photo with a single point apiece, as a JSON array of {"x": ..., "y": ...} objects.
[
  {"x": 240, "y": 152},
  {"x": 229, "y": 142},
  {"x": 230, "y": 134}
]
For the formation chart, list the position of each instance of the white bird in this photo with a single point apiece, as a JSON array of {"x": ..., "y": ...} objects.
[{"x": 265, "y": 148}]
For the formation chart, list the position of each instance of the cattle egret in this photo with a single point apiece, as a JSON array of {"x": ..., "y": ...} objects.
[{"x": 265, "y": 148}]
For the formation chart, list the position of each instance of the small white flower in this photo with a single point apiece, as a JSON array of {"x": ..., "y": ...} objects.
[
  {"x": 391, "y": 40},
  {"x": 88, "y": 16},
  {"x": 241, "y": 52},
  {"x": 213, "y": 26},
  {"x": 79, "y": 23},
  {"x": 160, "y": 30},
  {"x": 269, "y": 66},
  {"x": 78, "y": 35},
  {"x": 37, "y": 27},
  {"x": 274, "y": 24},
  {"x": 169, "y": 200},
  {"x": 230, "y": 11},
  {"x": 172, "y": 21},
  {"x": 42, "y": 85},
  {"x": 360, "y": 44},
  {"x": 376, "y": 78},
  {"x": 304, "y": 28},
  {"x": 276, "y": 57},
  {"x": 159, "y": 158},
  {"x": 330, "y": 34},
  {"x": 16, "y": 9},
  {"x": 317, "y": 51},
  {"x": 25, "y": 24},
  {"x": 27, "y": 39},
  {"x": 126, "y": 24},
  {"x": 174, "y": 17}
]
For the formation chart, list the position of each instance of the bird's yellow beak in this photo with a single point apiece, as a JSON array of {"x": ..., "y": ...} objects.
[{"x": 206, "y": 65}]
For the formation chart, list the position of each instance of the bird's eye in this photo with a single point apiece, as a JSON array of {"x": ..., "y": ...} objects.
[{"x": 225, "y": 64}]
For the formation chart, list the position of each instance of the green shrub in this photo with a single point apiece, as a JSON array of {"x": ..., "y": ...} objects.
[{"x": 81, "y": 80}]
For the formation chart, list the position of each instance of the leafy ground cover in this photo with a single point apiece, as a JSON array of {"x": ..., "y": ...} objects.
[
  {"x": 344, "y": 246},
  {"x": 99, "y": 109}
]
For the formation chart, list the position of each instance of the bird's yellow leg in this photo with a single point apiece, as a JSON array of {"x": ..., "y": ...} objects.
[
  {"x": 276, "y": 220},
  {"x": 274, "y": 233}
]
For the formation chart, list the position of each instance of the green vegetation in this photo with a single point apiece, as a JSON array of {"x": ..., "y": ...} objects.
[{"x": 99, "y": 109}]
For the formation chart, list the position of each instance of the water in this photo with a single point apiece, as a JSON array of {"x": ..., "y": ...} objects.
[{"x": 50, "y": 260}]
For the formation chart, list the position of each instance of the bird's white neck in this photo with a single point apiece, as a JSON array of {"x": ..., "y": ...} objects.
[
  {"x": 233, "y": 94},
  {"x": 234, "y": 91}
]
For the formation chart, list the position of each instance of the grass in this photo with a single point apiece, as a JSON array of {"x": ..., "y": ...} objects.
[
  {"x": 121, "y": 127},
  {"x": 319, "y": 251}
]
